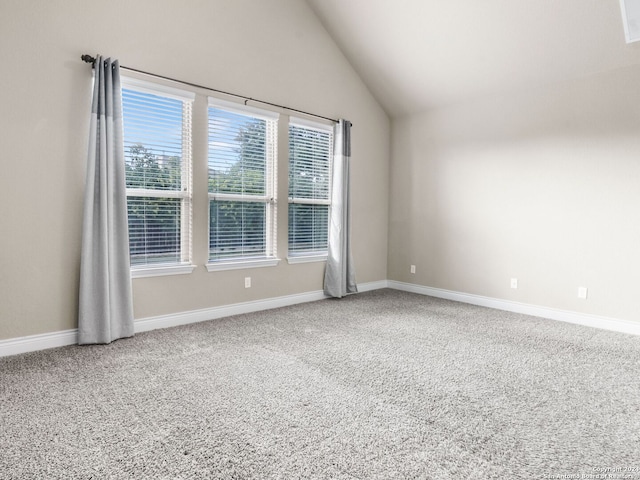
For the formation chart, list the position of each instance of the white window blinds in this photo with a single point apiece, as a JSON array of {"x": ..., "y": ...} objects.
[
  {"x": 157, "y": 144},
  {"x": 242, "y": 172},
  {"x": 310, "y": 154}
]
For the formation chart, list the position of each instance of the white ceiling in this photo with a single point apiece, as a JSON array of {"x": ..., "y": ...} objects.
[{"x": 419, "y": 54}]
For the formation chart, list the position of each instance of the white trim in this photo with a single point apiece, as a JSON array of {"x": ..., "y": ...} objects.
[
  {"x": 156, "y": 88},
  {"x": 309, "y": 201},
  {"x": 320, "y": 125},
  {"x": 217, "y": 266},
  {"x": 43, "y": 341},
  {"x": 149, "y": 193},
  {"x": 240, "y": 197},
  {"x": 242, "y": 108},
  {"x": 15, "y": 346},
  {"x": 31, "y": 343},
  {"x": 195, "y": 316},
  {"x": 605, "y": 323},
  {"x": 367, "y": 287},
  {"x": 306, "y": 258},
  {"x": 161, "y": 270}
]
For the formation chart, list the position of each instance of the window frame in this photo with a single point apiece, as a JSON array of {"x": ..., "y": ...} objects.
[
  {"x": 310, "y": 256},
  {"x": 185, "y": 194},
  {"x": 269, "y": 198}
]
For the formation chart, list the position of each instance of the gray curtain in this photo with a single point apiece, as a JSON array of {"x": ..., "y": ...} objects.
[
  {"x": 340, "y": 276},
  {"x": 106, "y": 311}
]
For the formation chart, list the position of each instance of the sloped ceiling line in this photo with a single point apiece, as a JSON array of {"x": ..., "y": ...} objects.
[{"x": 415, "y": 55}]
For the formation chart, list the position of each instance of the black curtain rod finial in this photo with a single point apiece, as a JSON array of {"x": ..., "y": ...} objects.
[{"x": 88, "y": 59}]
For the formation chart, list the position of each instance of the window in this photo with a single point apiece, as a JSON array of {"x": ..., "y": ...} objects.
[
  {"x": 157, "y": 147},
  {"x": 310, "y": 152},
  {"x": 242, "y": 188},
  {"x": 242, "y": 164}
]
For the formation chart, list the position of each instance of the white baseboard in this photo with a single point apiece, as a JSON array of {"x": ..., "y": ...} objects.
[
  {"x": 31, "y": 343},
  {"x": 43, "y": 341},
  {"x": 366, "y": 287},
  {"x": 194, "y": 316},
  {"x": 605, "y": 323}
]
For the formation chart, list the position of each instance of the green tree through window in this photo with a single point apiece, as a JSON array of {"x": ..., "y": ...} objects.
[
  {"x": 154, "y": 223},
  {"x": 241, "y": 185},
  {"x": 158, "y": 178}
]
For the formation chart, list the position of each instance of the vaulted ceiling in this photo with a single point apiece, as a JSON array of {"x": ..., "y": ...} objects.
[{"x": 415, "y": 55}]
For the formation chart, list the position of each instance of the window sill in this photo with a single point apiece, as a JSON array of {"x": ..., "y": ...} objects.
[
  {"x": 241, "y": 264},
  {"x": 161, "y": 270},
  {"x": 307, "y": 259}
]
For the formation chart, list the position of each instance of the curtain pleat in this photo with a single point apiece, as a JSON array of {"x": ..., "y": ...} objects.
[
  {"x": 340, "y": 276},
  {"x": 105, "y": 303}
]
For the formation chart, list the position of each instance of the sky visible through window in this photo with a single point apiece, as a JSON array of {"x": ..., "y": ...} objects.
[
  {"x": 225, "y": 145},
  {"x": 153, "y": 147},
  {"x": 152, "y": 121},
  {"x": 160, "y": 130}
]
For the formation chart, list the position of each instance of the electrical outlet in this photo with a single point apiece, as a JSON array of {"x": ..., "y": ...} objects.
[
  {"x": 247, "y": 282},
  {"x": 413, "y": 269},
  {"x": 514, "y": 283},
  {"x": 582, "y": 293}
]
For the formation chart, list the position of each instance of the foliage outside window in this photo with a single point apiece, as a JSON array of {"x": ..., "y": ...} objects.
[
  {"x": 310, "y": 148},
  {"x": 242, "y": 170},
  {"x": 157, "y": 144}
]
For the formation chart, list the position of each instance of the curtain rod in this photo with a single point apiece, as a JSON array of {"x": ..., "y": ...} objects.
[{"x": 92, "y": 60}]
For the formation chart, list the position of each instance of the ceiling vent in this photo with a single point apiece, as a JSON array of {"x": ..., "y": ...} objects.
[{"x": 631, "y": 19}]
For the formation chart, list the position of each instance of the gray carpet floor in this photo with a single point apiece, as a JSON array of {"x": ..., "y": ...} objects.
[{"x": 379, "y": 385}]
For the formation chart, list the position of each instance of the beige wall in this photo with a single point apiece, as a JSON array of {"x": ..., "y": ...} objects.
[
  {"x": 540, "y": 185},
  {"x": 274, "y": 50}
]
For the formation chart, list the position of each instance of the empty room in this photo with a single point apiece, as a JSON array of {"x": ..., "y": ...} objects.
[{"x": 320, "y": 239}]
